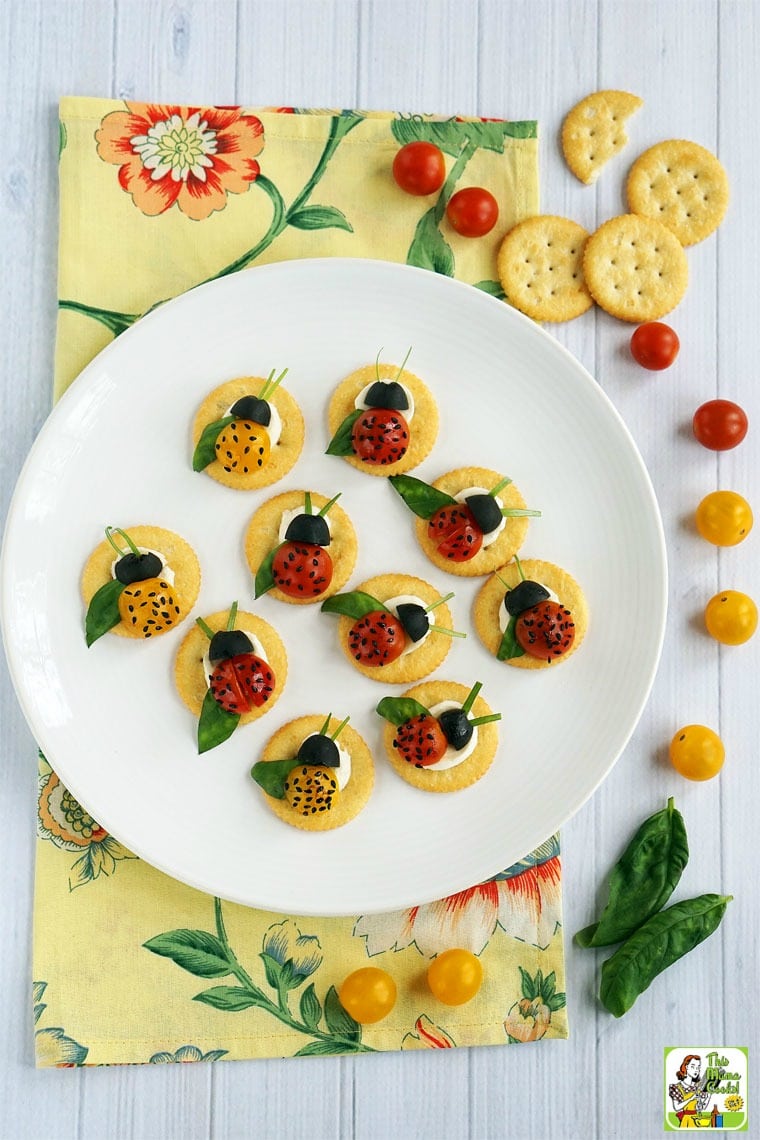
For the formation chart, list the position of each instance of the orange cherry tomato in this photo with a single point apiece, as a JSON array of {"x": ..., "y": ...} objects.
[
  {"x": 697, "y": 752},
  {"x": 455, "y": 976},
  {"x": 724, "y": 518},
  {"x": 731, "y": 617},
  {"x": 369, "y": 994}
]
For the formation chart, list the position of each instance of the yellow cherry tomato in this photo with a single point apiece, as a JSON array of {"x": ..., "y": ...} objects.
[
  {"x": 368, "y": 994},
  {"x": 731, "y": 617},
  {"x": 455, "y": 976},
  {"x": 697, "y": 752},
  {"x": 724, "y": 518}
]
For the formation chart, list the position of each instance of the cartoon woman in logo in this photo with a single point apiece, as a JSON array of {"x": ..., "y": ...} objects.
[{"x": 688, "y": 1095}]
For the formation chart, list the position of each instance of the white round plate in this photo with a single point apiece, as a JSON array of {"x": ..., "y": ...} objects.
[{"x": 116, "y": 451}]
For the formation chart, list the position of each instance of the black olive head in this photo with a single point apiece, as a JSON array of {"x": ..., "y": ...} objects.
[
  {"x": 253, "y": 409},
  {"x": 319, "y": 750},
  {"x": 137, "y": 567},
  {"x": 486, "y": 511},
  {"x": 308, "y": 528},
  {"x": 524, "y": 596},
  {"x": 229, "y": 643},
  {"x": 414, "y": 620},
  {"x": 384, "y": 394},
  {"x": 456, "y": 727}
]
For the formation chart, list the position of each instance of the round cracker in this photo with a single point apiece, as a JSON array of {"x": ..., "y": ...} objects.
[
  {"x": 593, "y": 131},
  {"x": 682, "y": 185},
  {"x": 284, "y": 453},
  {"x": 262, "y": 536},
  {"x": 540, "y": 266},
  {"x": 635, "y": 268},
  {"x": 503, "y": 548},
  {"x": 286, "y": 742},
  {"x": 449, "y": 779},
  {"x": 188, "y": 667},
  {"x": 423, "y": 429},
  {"x": 176, "y": 553},
  {"x": 489, "y": 598},
  {"x": 422, "y": 660}
]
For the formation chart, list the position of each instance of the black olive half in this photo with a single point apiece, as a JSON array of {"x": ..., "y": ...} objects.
[
  {"x": 524, "y": 596},
  {"x": 319, "y": 750},
  {"x": 486, "y": 511},
  {"x": 391, "y": 395},
  {"x": 229, "y": 643},
  {"x": 414, "y": 620},
  {"x": 456, "y": 727},
  {"x": 137, "y": 567},
  {"x": 253, "y": 409},
  {"x": 308, "y": 528}
]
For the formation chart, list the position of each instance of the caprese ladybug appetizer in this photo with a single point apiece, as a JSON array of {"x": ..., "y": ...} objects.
[
  {"x": 440, "y": 736},
  {"x": 301, "y": 547},
  {"x": 469, "y": 521},
  {"x": 317, "y": 774},
  {"x": 531, "y": 614},
  {"x": 230, "y": 669},
  {"x": 394, "y": 627},
  {"x": 248, "y": 432},
  {"x": 139, "y": 583},
  {"x": 383, "y": 419}
]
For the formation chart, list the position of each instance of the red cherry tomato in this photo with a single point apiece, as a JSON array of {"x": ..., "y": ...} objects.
[
  {"x": 419, "y": 168},
  {"x": 380, "y": 436},
  {"x": 720, "y": 425},
  {"x": 420, "y": 741},
  {"x": 376, "y": 639},
  {"x": 242, "y": 683},
  {"x": 545, "y": 631},
  {"x": 473, "y": 211},
  {"x": 455, "y": 532},
  {"x": 302, "y": 569},
  {"x": 654, "y": 346}
]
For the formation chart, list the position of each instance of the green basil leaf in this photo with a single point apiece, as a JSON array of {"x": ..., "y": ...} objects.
[
  {"x": 660, "y": 942},
  {"x": 510, "y": 646},
  {"x": 264, "y": 579},
  {"x": 215, "y": 724},
  {"x": 398, "y": 710},
  {"x": 419, "y": 496},
  {"x": 341, "y": 444},
  {"x": 196, "y": 951},
  {"x": 319, "y": 218},
  {"x": 643, "y": 879},
  {"x": 354, "y": 604},
  {"x": 103, "y": 610},
  {"x": 311, "y": 1010},
  {"x": 205, "y": 448},
  {"x": 272, "y": 774}
]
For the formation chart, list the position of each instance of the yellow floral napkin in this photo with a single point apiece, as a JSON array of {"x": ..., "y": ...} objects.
[{"x": 130, "y": 965}]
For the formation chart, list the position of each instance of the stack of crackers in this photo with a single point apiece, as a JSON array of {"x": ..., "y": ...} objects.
[{"x": 634, "y": 266}]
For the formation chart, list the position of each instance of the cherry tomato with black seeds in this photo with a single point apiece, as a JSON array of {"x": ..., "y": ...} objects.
[
  {"x": 720, "y": 425},
  {"x": 376, "y": 639},
  {"x": 419, "y": 168},
  {"x": 654, "y": 345},
  {"x": 472, "y": 212},
  {"x": 302, "y": 569},
  {"x": 380, "y": 436}
]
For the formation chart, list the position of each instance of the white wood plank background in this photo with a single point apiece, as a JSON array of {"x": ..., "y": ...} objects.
[{"x": 695, "y": 64}]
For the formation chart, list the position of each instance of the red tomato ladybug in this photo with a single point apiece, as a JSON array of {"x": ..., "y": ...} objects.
[
  {"x": 455, "y": 532},
  {"x": 302, "y": 569},
  {"x": 380, "y": 436},
  {"x": 377, "y": 639},
  {"x": 242, "y": 683},
  {"x": 420, "y": 741},
  {"x": 545, "y": 631}
]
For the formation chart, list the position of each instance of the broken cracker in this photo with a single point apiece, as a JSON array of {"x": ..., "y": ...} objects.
[{"x": 594, "y": 130}]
